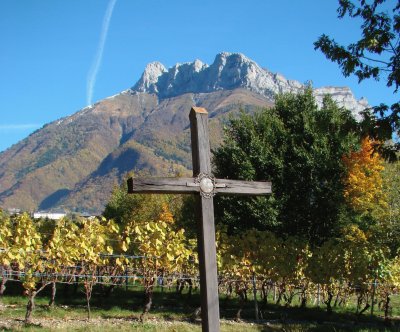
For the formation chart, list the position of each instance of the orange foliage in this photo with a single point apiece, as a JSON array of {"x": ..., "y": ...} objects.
[{"x": 363, "y": 185}]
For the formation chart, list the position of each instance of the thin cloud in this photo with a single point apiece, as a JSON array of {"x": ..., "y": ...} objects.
[
  {"x": 92, "y": 76},
  {"x": 24, "y": 126}
]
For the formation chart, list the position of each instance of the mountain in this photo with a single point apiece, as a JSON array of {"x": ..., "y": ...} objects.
[
  {"x": 73, "y": 163},
  {"x": 228, "y": 72}
]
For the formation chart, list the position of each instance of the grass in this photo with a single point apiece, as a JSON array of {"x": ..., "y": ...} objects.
[{"x": 171, "y": 312}]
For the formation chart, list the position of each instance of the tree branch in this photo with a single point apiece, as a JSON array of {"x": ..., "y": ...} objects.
[{"x": 374, "y": 60}]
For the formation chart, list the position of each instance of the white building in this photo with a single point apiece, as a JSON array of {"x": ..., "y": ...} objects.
[{"x": 48, "y": 215}]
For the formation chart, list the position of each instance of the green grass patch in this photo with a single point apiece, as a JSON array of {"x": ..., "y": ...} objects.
[{"x": 120, "y": 310}]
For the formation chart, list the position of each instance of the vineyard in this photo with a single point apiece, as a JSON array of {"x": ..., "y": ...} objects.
[
  {"x": 325, "y": 242},
  {"x": 256, "y": 267}
]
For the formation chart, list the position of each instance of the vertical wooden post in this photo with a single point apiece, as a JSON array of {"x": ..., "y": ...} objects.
[
  {"x": 255, "y": 296},
  {"x": 373, "y": 297},
  {"x": 126, "y": 278},
  {"x": 206, "y": 229},
  {"x": 274, "y": 298}
]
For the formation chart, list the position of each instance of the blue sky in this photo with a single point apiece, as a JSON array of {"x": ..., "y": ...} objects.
[{"x": 53, "y": 50}]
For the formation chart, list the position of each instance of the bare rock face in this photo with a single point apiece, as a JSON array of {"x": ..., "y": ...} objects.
[
  {"x": 344, "y": 97},
  {"x": 231, "y": 71},
  {"x": 150, "y": 76}
]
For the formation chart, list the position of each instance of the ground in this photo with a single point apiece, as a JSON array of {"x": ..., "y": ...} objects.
[{"x": 172, "y": 312}]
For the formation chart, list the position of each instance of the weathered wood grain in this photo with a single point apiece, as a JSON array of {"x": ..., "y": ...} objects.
[
  {"x": 238, "y": 187},
  {"x": 206, "y": 230},
  {"x": 161, "y": 185},
  {"x": 188, "y": 186}
]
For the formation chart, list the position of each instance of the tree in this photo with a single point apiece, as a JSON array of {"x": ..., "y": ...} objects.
[
  {"x": 95, "y": 236},
  {"x": 5, "y": 242},
  {"x": 391, "y": 187},
  {"x": 124, "y": 208},
  {"x": 299, "y": 148},
  {"x": 364, "y": 183},
  {"x": 161, "y": 248},
  {"x": 375, "y": 55},
  {"x": 390, "y": 229},
  {"x": 23, "y": 253}
]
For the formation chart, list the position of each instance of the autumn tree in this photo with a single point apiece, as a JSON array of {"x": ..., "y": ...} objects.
[
  {"x": 160, "y": 247},
  {"x": 364, "y": 182},
  {"x": 95, "y": 240},
  {"x": 5, "y": 243},
  {"x": 123, "y": 207},
  {"x": 23, "y": 251}
]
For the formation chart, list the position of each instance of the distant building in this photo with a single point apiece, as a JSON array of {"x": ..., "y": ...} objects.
[
  {"x": 14, "y": 211},
  {"x": 87, "y": 215},
  {"x": 49, "y": 215}
]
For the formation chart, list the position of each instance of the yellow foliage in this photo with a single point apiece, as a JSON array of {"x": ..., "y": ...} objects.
[
  {"x": 364, "y": 184},
  {"x": 159, "y": 242}
]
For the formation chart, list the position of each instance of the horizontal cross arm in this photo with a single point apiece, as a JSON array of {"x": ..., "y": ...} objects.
[
  {"x": 161, "y": 186},
  {"x": 238, "y": 187},
  {"x": 188, "y": 186}
]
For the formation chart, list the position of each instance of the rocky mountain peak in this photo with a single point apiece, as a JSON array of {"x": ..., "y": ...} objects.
[
  {"x": 228, "y": 71},
  {"x": 231, "y": 71},
  {"x": 149, "y": 78}
]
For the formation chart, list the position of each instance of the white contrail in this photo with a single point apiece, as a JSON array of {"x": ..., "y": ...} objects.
[{"x": 91, "y": 79}]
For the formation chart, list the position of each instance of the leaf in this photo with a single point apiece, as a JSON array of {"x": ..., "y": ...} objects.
[{"x": 124, "y": 247}]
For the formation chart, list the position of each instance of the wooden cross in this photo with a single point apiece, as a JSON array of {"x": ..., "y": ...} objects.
[{"x": 207, "y": 186}]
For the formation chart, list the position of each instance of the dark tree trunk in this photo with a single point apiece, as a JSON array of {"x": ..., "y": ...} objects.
[
  {"x": 328, "y": 303},
  {"x": 31, "y": 302},
  {"x": 88, "y": 291},
  {"x": 364, "y": 309},
  {"x": 53, "y": 294},
  {"x": 3, "y": 285},
  {"x": 196, "y": 314},
  {"x": 303, "y": 299},
  {"x": 229, "y": 290},
  {"x": 181, "y": 287},
  {"x": 281, "y": 293},
  {"x": 147, "y": 302},
  {"x": 190, "y": 282},
  {"x": 264, "y": 292},
  {"x": 387, "y": 308},
  {"x": 30, "y": 307},
  {"x": 242, "y": 300}
]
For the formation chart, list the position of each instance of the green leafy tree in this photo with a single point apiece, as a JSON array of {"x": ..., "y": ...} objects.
[
  {"x": 299, "y": 148},
  {"x": 376, "y": 55},
  {"x": 391, "y": 185},
  {"x": 390, "y": 227},
  {"x": 124, "y": 208}
]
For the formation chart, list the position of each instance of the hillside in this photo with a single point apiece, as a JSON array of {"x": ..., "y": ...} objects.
[{"x": 74, "y": 162}]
